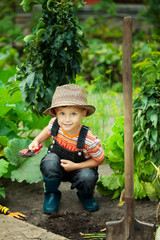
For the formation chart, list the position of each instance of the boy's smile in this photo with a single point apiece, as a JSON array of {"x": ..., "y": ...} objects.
[{"x": 69, "y": 119}]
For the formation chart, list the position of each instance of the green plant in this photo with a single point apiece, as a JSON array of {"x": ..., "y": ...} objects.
[
  {"x": 144, "y": 174},
  {"x": 8, "y": 56},
  {"x": 17, "y": 122},
  {"x": 3, "y": 169},
  {"x": 102, "y": 60},
  {"x": 9, "y": 30},
  {"x": 146, "y": 108},
  {"x": 147, "y": 120},
  {"x": 143, "y": 54},
  {"x": 146, "y": 141},
  {"x": 106, "y": 105},
  {"x": 108, "y": 5},
  {"x": 151, "y": 13},
  {"x": 19, "y": 168},
  {"x": 102, "y": 29},
  {"x": 53, "y": 52}
]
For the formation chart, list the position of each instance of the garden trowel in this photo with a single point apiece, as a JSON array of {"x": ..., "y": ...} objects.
[{"x": 25, "y": 153}]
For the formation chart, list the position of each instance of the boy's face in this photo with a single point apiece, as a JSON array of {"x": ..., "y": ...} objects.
[{"x": 69, "y": 119}]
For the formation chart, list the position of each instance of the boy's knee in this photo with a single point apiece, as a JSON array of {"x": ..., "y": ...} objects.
[
  {"x": 50, "y": 166},
  {"x": 87, "y": 180}
]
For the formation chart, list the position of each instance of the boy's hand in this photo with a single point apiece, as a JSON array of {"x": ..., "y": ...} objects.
[
  {"x": 34, "y": 145},
  {"x": 68, "y": 165}
]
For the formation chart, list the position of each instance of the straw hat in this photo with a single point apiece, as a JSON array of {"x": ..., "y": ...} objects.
[{"x": 69, "y": 95}]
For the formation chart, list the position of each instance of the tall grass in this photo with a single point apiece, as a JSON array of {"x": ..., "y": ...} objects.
[{"x": 109, "y": 106}]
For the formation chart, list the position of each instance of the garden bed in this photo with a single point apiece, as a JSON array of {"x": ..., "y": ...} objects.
[{"x": 71, "y": 218}]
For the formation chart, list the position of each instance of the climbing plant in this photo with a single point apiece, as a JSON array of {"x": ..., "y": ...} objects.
[{"x": 53, "y": 52}]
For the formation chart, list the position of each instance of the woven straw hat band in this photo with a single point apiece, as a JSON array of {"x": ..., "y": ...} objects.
[{"x": 69, "y": 95}]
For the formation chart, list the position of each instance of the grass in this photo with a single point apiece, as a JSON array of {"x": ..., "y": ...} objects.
[{"x": 109, "y": 106}]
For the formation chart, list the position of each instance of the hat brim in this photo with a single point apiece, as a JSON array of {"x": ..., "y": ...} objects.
[{"x": 51, "y": 111}]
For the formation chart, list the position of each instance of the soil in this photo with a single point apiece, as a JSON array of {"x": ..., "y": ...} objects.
[{"x": 72, "y": 219}]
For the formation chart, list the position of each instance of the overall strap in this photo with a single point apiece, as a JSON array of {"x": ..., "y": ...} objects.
[
  {"x": 55, "y": 128},
  {"x": 82, "y": 137}
]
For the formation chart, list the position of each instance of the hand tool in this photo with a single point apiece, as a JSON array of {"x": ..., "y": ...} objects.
[
  {"x": 25, "y": 153},
  {"x": 6, "y": 211}
]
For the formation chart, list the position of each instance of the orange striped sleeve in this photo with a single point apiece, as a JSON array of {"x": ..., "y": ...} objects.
[{"x": 93, "y": 148}]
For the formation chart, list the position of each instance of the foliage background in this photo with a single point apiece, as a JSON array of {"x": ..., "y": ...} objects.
[{"x": 101, "y": 76}]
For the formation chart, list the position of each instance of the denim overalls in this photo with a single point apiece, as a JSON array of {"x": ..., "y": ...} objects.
[{"x": 82, "y": 179}]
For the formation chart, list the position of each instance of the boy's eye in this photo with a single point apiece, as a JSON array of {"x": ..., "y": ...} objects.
[
  {"x": 61, "y": 113},
  {"x": 74, "y": 114}
]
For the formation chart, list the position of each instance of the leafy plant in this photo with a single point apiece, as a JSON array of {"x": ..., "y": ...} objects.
[
  {"x": 146, "y": 141},
  {"x": 23, "y": 168},
  {"x": 108, "y": 5},
  {"x": 102, "y": 29},
  {"x": 102, "y": 60},
  {"x": 9, "y": 30},
  {"x": 16, "y": 123},
  {"x": 3, "y": 169},
  {"x": 146, "y": 109},
  {"x": 143, "y": 173},
  {"x": 106, "y": 105},
  {"x": 8, "y": 56},
  {"x": 53, "y": 52},
  {"x": 151, "y": 13}
]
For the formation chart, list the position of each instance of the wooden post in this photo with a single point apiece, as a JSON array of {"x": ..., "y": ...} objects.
[{"x": 128, "y": 127}]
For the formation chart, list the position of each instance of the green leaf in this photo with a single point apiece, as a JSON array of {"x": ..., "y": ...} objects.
[
  {"x": 80, "y": 3},
  {"x": 152, "y": 142},
  {"x": 112, "y": 182},
  {"x": 117, "y": 166},
  {"x": 3, "y": 166},
  {"x": 2, "y": 192},
  {"x": 102, "y": 190},
  {"x": 30, "y": 79},
  {"x": 154, "y": 119},
  {"x": 27, "y": 169},
  {"x": 29, "y": 38},
  {"x": 142, "y": 122},
  {"x": 113, "y": 151},
  {"x": 158, "y": 64},
  {"x": 140, "y": 145},
  {"x": 154, "y": 135},
  {"x": 139, "y": 191},
  {"x": 3, "y": 141},
  {"x": 8, "y": 128},
  {"x": 144, "y": 101},
  {"x": 150, "y": 191},
  {"x": 12, "y": 151},
  {"x": 116, "y": 194}
]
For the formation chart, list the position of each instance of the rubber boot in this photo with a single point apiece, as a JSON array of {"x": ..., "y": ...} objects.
[
  {"x": 52, "y": 195},
  {"x": 88, "y": 201}
]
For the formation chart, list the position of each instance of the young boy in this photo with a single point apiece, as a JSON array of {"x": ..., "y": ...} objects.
[{"x": 74, "y": 154}]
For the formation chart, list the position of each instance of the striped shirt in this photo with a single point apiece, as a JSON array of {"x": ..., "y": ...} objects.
[{"x": 92, "y": 146}]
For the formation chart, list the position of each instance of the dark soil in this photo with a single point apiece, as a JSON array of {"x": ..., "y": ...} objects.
[{"x": 72, "y": 219}]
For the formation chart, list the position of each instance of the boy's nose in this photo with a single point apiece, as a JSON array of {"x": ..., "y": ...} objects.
[{"x": 67, "y": 117}]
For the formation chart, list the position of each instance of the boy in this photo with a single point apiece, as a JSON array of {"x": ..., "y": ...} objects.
[{"x": 74, "y": 154}]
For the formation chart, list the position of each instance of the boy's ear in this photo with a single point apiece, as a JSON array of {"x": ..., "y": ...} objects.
[{"x": 84, "y": 113}]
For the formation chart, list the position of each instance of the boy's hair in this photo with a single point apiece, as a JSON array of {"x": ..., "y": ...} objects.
[{"x": 69, "y": 95}]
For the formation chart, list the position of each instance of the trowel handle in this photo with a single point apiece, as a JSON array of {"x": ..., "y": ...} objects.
[{"x": 39, "y": 147}]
